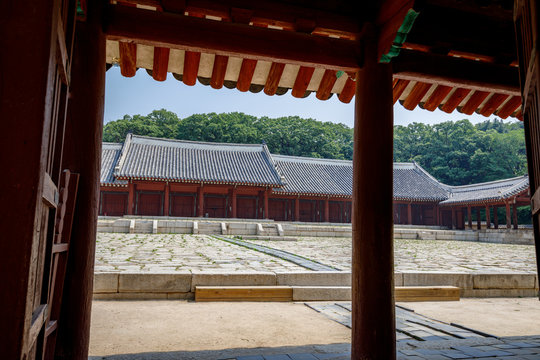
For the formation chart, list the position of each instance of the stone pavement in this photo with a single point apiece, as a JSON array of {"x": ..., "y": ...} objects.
[
  {"x": 421, "y": 255},
  {"x": 168, "y": 253}
]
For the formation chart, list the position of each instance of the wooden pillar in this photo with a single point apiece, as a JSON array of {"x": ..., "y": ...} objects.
[
  {"x": 437, "y": 215},
  {"x": 200, "y": 201},
  {"x": 514, "y": 215},
  {"x": 166, "y": 206},
  {"x": 373, "y": 310},
  {"x": 297, "y": 209},
  {"x": 495, "y": 217},
  {"x": 409, "y": 213},
  {"x": 488, "y": 217},
  {"x": 82, "y": 154},
  {"x": 131, "y": 198},
  {"x": 265, "y": 197},
  {"x": 233, "y": 203},
  {"x": 326, "y": 210},
  {"x": 469, "y": 216},
  {"x": 454, "y": 218},
  {"x": 508, "y": 216},
  {"x": 478, "y": 219}
]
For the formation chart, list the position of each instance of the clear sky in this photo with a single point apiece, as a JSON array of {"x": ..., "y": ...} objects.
[{"x": 141, "y": 94}]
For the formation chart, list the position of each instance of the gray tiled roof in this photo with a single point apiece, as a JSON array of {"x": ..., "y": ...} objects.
[
  {"x": 334, "y": 177},
  {"x": 412, "y": 182},
  {"x": 110, "y": 154},
  {"x": 315, "y": 176},
  {"x": 488, "y": 191},
  {"x": 189, "y": 161}
]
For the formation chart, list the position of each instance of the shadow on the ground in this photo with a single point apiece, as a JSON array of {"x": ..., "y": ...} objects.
[{"x": 329, "y": 351}]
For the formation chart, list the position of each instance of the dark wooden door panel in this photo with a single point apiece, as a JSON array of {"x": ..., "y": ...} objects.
[
  {"x": 183, "y": 205},
  {"x": 113, "y": 204},
  {"x": 246, "y": 207},
  {"x": 149, "y": 203}
]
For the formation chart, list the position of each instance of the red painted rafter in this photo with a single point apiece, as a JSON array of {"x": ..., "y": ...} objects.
[
  {"x": 161, "y": 63},
  {"x": 508, "y": 109},
  {"x": 191, "y": 67},
  {"x": 455, "y": 99},
  {"x": 474, "y": 102},
  {"x": 302, "y": 81},
  {"x": 246, "y": 74},
  {"x": 399, "y": 87},
  {"x": 128, "y": 58},
  {"x": 436, "y": 98},
  {"x": 349, "y": 89},
  {"x": 274, "y": 76},
  {"x": 218, "y": 72},
  {"x": 327, "y": 83},
  {"x": 417, "y": 93},
  {"x": 493, "y": 104}
]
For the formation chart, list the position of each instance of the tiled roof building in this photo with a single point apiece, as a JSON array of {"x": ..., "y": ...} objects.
[{"x": 151, "y": 176}]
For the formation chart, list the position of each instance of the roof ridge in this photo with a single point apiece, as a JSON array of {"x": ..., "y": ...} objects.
[
  {"x": 311, "y": 158},
  {"x": 123, "y": 154},
  {"x": 194, "y": 142},
  {"x": 489, "y": 182}
]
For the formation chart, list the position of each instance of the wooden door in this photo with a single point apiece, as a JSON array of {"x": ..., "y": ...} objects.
[
  {"x": 149, "y": 203},
  {"x": 113, "y": 203},
  {"x": 336, "y": 211},
  {"x": 277, "y": 209},
  {"x": 528, "y": 44},
  {"x": 215, "y": 206},
  {"x": 307, "y": 210},
  {"x": 246, "y": 207},
  {"x": 182, "y": 205}
]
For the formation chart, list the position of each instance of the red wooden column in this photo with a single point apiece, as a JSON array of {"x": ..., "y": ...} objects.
[
  {"x": 453, "y": 218},
  {"x": 514, "y": 216},
  {"x": 488, "y": 217},
  {"x": 131, "y": 198},
  {"x": 82, "y": 154},
  {"x": 326, "y": 210},
  {"x": 508, "y": 216},
  {"x": 200, "y": 201},
  {"x": 478, "y": 219},
  {"x": 469, "y": 216},
  {"x": 437, "y": 215},
  {"x": 409, "y": 214},
  {"x": 495, "y": 217},
  {"x": 166, "y": 200},
  {"x": 265, "y": 199},
  {"x": 373, "y": 309},
  {"x": 233, "y": 203},
  {"x": 297, "y": 209}
]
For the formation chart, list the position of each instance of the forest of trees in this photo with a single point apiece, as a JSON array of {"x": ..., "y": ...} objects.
[{"x": 455, "y": 153}]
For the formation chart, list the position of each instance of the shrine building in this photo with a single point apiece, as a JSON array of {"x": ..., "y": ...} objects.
[{"x": 161, "y": 177}]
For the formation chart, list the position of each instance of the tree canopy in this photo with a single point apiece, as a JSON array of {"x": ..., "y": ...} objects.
[{"x": 455, "y": 153}]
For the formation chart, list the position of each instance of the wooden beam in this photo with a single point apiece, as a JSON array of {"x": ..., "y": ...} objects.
[
  {"x": 455, "y": 99},
  {"x": 469, "y": 216},
  {"x": 399, "y": 87},
  {"x": 510, "y": 107},
  {"x": 161, "y": 63},
  {"x": 508, "y": 216},
  {"x": 514, "y": 215},
  {"x": 493, "y": 104},
  {"x": 348, "y": 91},
  {"x": 230, "y": 39},
  {"x": 327, "y": 83},
  {"x": 302, "y": 81},
  {"x": 246, "y": 74},
  {"x": 417, "y": 93},
  {"x": 474, "y": 101},
  {"x": 274, "y": 76},
  {"x": 488, "y": 218},
  {"x": 218, "y": 71},
  {"x": 128, "y": 58},
  {"x": 456, "y": 72},
  {"x": 438, "y": 95},
  {"x": 191, "y": 67}
]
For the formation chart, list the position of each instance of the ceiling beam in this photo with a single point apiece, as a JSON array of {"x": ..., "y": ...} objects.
[
  {"x": 456, "y": 72},
  {"x": 230, "y": 39}
]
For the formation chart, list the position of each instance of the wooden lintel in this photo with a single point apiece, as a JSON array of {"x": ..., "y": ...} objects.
[
  {"x": 456, "y": 72},
  {"x": 230, "y": 39}
]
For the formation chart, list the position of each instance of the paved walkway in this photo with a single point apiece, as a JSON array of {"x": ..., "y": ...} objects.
[{"x": 166, "y": 253}]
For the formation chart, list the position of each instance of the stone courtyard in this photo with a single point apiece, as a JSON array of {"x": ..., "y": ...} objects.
[{"x": 166, "y": 253}]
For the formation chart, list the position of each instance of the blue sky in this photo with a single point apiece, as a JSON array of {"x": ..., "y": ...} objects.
[{"x": 141, "y": 94}]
